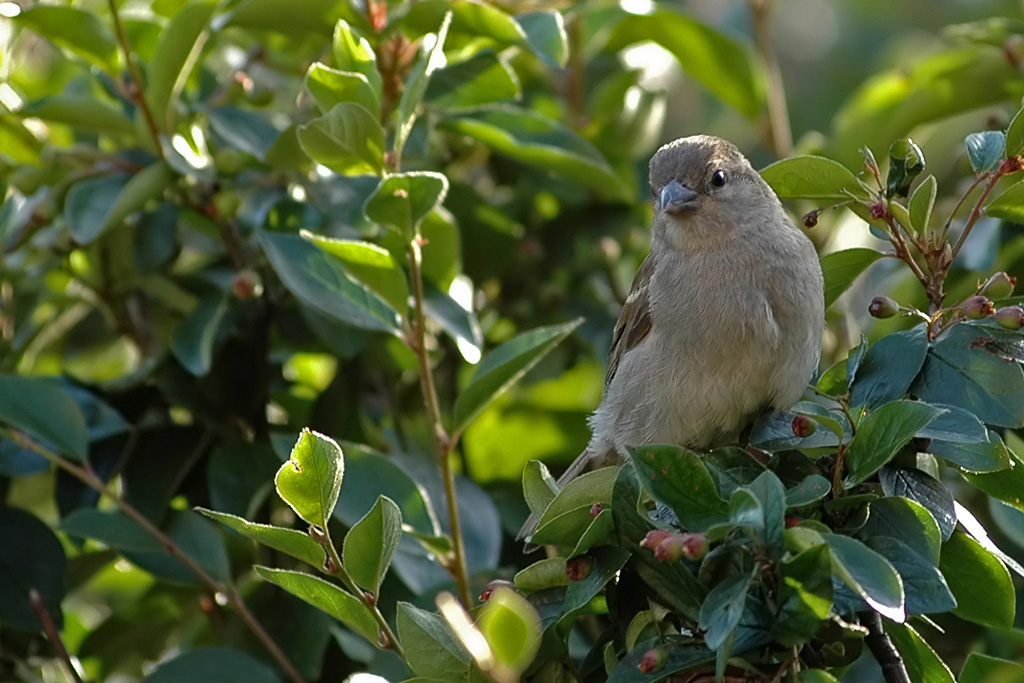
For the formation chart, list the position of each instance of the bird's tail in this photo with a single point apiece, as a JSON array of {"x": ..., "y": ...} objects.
[{"x": 580, "y": 465}]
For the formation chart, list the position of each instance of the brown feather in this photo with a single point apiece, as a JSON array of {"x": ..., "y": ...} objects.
[{"x": 634, "y": 323}]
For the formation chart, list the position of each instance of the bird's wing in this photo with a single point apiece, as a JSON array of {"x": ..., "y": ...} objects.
[{"x": 634, "y": 322}]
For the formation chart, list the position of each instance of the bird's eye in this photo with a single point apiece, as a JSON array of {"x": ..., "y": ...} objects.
[{"x": 718, "y": 178}]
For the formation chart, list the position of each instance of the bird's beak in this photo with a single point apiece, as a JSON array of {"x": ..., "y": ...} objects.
[{"x": 677, "y": 197}]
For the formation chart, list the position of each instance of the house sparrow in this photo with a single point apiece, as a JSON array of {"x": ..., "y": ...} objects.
[{"x": 724, "y": 317}]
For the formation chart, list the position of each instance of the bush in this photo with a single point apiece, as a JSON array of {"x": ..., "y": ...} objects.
[{"x": 373, "y": 255}]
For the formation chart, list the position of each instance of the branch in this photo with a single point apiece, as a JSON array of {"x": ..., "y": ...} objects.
[
  {"x": 133, "y": 69},
  {"x": 893, "y": 668},
  {"x": 778, "y": 116},
  {"x": 53, "y": 634}
]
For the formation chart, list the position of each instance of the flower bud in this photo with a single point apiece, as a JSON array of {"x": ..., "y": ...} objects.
[
  {"x": 804, "y": 426},
  {"x": 878, "y": 210},
  {"x": 977, "y": 307},
  {"x": 999, "y": 286},
  {"x": 578, "y": 568},
  {"x": 1010, "y": 317},
  {"x": 654, "y": 538},
  {"x": 883, "y": 307},
  {"x": 671, "y": 549},
  {"x": 792, "y": 521},
  {"x": 695, "y": 546},
  {"x": 811, "y": 218},
  {"x": 491, "y": 586},
  {"x": 653, "y": 660}
]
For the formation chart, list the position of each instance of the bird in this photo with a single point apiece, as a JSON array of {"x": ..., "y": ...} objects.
[{"x": 724, "y": 317}]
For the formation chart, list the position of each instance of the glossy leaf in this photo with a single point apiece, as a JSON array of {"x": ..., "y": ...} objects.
[
  {"x": 482, "y": 79},
  {"x": 371, "y": 543},
  {"x": 546, "y": 573},
  {"x": 245, "y": 130},
  {"x": 720, "y": 614},
  {"x": 682, "y": 657},
  {"x": 213, "y": 664},
  {"x": 889, "y": 367},
  {"x": 327, "y": 597},
  {"x": 678, "y": 478},
  {"x": 979, "y": 582},
  {"x": 841, "y": 268},
  {"x": 716, "y": 61},
  {"x": 310, "y": 480},
  {"x": 921, "y": 204},
  {"x": 545, "y": 32},
  {"x": 771, "y": 496},
  {"x": 176, "y": 54},
  {"x": 812, "y": 177},
  {"x": 430, "y": 648},
  {"x": 330, "y": 87},
  {"x": 805, "y": 595},
  {"x": 922, "y": 663},
  {"x": 925, "y": 588},
  {"x": 981, "y": 668},
  {"x": 31, "y": 557},
  {"x": 906, "y": 162},
  {"x": 369, "y": 264},
  {"x": 985, "y": 150},
  {"x": 568, "y": 514},
  {"x": 1006, "y": 485},
  {"x": 922, "y": 488},
  {"x": 347, "y": 139},
  {"x": 90, "y": 204},
  {"x": 503, "y": 367},
  {"x": 368, "y": 475},
  {"x": 403, "y": 200},
  {"x": 989, "y": 454},
  {"x": 883, "y": 433},
  {"x": 78, "y": 30},
  {"x": 606, "y": 562},
  {"x": 41, "y": 408},
  {"x": 869, "y": 574},
  {"x": 289, "y": 541},
  {"x": 905, "y": 520},
  {"x": 813, "y": 488},
  {"x": 194, "y": 338}
]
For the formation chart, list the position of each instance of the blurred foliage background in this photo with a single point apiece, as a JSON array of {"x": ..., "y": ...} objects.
[{"x": 151, "y": 266}]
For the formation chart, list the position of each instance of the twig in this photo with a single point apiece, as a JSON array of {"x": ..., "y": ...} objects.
[
  {"x": 90, "y": 479},
  {"x": 444, "y": 442},
  {"x": 976, "y": 211},
  {"x": 778, "y": 116},
  {"x": 959, "y": 203},
  {"x": 52, "y": 633},
  {"x": 133, "y": 69},
  {"x": 888, "y": 657}
]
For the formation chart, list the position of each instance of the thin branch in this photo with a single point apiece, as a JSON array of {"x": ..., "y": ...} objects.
[
  {"x": 778, "y": 113},
  {"x": 976, "y": 211},
  {"x": 133, "y": 69},
  {"x": 53, "y": 634},
  {"x": 959, "y": 203},
  {"x": 888, "y": 657},
  {"x": 90, "y": 479}
]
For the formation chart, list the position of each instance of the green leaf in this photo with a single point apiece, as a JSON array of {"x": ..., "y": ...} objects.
[
  {"x": 606, "y": 562},
  {"x": 371, "y": 543},
  {"x": 987, "y": 455},
  {"x": 194, "y": 338},
  {"x": 81, "y": 32},
  {"x": 503, "y": 367},
  {"x": 965, "y": 368},
  {"x": 985, "y": 150},
  {"x": 981, "y": 668},
  {"x": 532, "y": 138},
  {"x": 1015, "y": 135},
  {"x": 546, "y": 573},
  {"x": 213, "y": 664},
  {"x": 721, "y": 64},
  {"x": 243, "y": 129},
  {"x": 924, "y": 587},
  {"x": 841, "y": 268},
  {"x": 678, "y": 478},
  {"x": 906, "y": 161},
  {"x": 31, "y": 557},
  {"x": 817, "y": 676},
  {"x": 40, "y": 407},
  {"x": 351, "y": 52},
  {"x": 322, "y": 281},
  {"x": 924, "y": 489},
  {"x": 1005, "y": 485},
  {"x": 568, "y": 515},
  {"x": 416, "y": 85},
  {"x": 348, "y": 139},
  {"x": 921, "y": 204},
  {"x": 545, "y": 32},
  {"x": 327, "y": 597},
  {"x": 403, "y": 200},
  {"x": 90, "y": 205},
  {"x": 181, "y": 40},
  {"x": 288, "y": 541},
  {"x": 720, "y": 614},
  {"x": 869, "y": 574},
  {"x": 905, "y": 520},
  {"x": 883, "y": 433},
  {"x": 979, "y": 582},
  {"x": 813, "y": 488},
  {"x": 539, "y": 487},
  {"x": 923, "y": 665},
  {"x": 78, "y": 111},
  {"x": 369, "y": 264},
  {"x": 482, "y": 79},
  {"x": 305, "y": 17},
  {"x": 812, "y": 177},
  {"x": 311, "y": 478},
  {"x": 889, "y": 367},
  {"x": 369, "y": 475},
  {"x": 771, "y": 495},
  {"x": 330, "y": 87},
  {"x": 805, "y": 595},
  {"x": 683, "y": 657},
  {"x": 512, "y": 628},
  {"x": 430, "y": 648},
  {"x": 470, "y": 18},
  {"x": 1009, "y": 206}
]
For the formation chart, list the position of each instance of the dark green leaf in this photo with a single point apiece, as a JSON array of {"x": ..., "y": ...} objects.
[
  {"x": 40, "y": 407},
  {"x": 545, "y": 32},
  {"x": 90, "y": 204},
  {"x": 1006, "y": 485},
  {"x": 546, "y": 573},
  {"x": 923, "y": 489},
  {"x": 841, "y": 268},
  {"x": 369, "y": 264},
  {"x": 112, "y": 529},
  {"x": 78, "y": 30},
  {"x": 598, "y": 531},
  {"x": 923, "y": 585},
  {"x": 180, "y": 40},
  {"x": 31, "y": 558},
  {"x": 321, "y": 281},
  {"x": 771, "y": 495},
  {"x": 981, "y": 668},
  {"x": 193, "y": 340},
  {"x": 805, "y": 595},
  {"x": 244, "y": 130},
  {"x": 289, "y": 541},
  {"x": 326, "y": 596},
  {"x": 156, "y": 238},
  {"x": 458, "y": 322},
  {"x": 539, "y": 487},
  {"x": 330, "y": 87},
  {"x": 883, "y": 433},
  {"x": 403, "y": 200},
  {"x": 568, "y": 514},
  {"x": 813, "y": 488},
  {"x": 964, "y": 371},
  {"x": 905, "y": 520},
  {"x": 985, "y": 150},
  {"x": 889, "y": 368},
  {"x": 213, "y": 664},
  {"x": 482, "y": 79},
  {"x": 371, "y": 543},
  {"x": 732, "y": 468},
  {"x": 416, "y": 84},
  {"x": 368, "y": 475},
  {"x": 532, "y": 138},
  {"x": 720, "y": 614},
  {"x": 817, "y": 676},
  {"x": 430, "y": 648},
  {"x": 921, "y": 204},
  {"x": 979, "y": 582},
  {"x": 923, "y": 665},
  {"x": 678, "y": 478},
  {"x": 987, "y": 455},
  {"x": 719, "y": 63},
  {"x": 906, "y": 161},
  {"x": 311, "y": 478},
  {"x": 869, "y": 574},
  {"x": 812, "y": 177},
  {"x": 503, "y": 367},
  {"x": 347, "y": 139},
  {"x": 682, "y": 657},
  {"x": 606, "y": 561}
]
